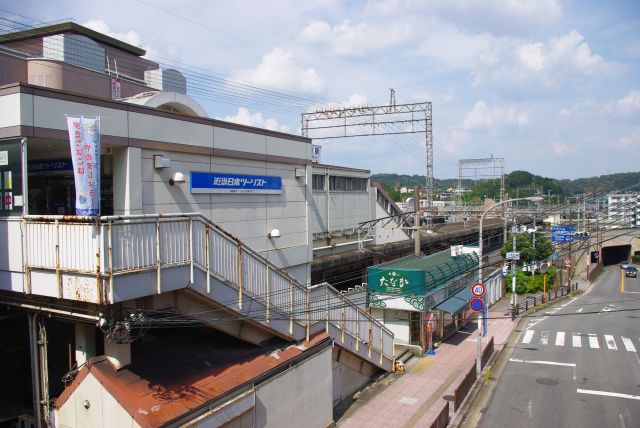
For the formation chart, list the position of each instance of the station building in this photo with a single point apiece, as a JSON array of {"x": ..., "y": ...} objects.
[{"x": 205, "y": 237}]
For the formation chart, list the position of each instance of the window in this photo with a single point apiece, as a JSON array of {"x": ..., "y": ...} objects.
[
  {"x": 348, "y": 184},
  {"x": 317, "y": 182}
]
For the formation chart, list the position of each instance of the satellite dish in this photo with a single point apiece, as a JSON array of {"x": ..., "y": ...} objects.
[{"x": 544, "y": 267}]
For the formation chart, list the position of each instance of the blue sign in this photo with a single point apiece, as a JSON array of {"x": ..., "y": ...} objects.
[
  {"x": 205, "y": 182},
  {"x": 476, "y": 304},
  {"x": 485, "y": 321},
  {"x": 562, "y": 233}
]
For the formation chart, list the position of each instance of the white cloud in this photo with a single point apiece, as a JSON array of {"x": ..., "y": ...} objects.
[
  {"x": 257, "y": 120},
  {"x": 482, "y": 117},
  {"x": 355, "y": 40},
  {"x": 581, "y": 106},
  {"x": 560, "y": 149},
  {"x": 539, "y": 65},
  {"x": 100, "y": 26},
  {"x": 456, "y": 49},
  {"x": 624, "y": 143},
  {"x": 625, "y": 106},
  {"x": 279, "y": 70}
]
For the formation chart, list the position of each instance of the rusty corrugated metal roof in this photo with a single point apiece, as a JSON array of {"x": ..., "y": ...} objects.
[{"x": 184, "y": 371}]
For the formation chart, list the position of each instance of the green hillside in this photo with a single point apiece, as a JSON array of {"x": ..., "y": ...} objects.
[{"x": 517, "y": 184}]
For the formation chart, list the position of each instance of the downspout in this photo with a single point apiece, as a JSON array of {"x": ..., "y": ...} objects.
[
  {"x": 35, "y": 367},
  {"x": 326, "y": 189}
]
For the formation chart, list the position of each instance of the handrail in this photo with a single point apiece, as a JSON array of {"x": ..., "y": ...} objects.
[
  {"x": 132, "y": 243},
  {"x": 350, "y": 303}
]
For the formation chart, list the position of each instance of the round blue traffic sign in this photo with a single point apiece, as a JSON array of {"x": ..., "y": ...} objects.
[{"x": 476, "y": 304}]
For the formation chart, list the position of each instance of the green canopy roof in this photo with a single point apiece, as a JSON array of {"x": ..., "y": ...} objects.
[{"x": 418, "y": 274}]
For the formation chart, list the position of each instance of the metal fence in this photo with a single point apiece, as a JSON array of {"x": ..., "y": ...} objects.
[{"x": 531, "y": 302}]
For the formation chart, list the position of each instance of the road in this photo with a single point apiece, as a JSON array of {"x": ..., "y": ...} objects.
[{"x": 575, "y": 365}]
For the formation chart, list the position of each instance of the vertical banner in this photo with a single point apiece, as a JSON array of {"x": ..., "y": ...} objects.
[{"x": 84, "y": 139}]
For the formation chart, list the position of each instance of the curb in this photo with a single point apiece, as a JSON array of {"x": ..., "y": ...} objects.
[{"x": 470, "y": 400}]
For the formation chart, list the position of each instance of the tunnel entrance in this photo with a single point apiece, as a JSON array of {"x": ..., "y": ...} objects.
[{"x": 615, "y": 254}]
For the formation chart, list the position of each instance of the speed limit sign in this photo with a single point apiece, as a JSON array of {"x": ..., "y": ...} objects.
[{"x": 478, "y": 289}]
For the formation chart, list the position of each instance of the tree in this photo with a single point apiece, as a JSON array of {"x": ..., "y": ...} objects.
[{"x": 524, "y": 245}]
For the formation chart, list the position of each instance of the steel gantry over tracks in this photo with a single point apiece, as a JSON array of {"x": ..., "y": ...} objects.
[{"x": 365, "y": 121}]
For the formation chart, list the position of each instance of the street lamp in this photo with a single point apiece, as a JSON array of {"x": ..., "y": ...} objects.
[{"x": 513, "y": 280}]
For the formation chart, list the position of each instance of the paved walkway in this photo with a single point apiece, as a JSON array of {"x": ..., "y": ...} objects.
[{"x": 415, "y": 398}]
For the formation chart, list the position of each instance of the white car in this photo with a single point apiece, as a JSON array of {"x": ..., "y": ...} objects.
[{"x": 625, "y": 264}]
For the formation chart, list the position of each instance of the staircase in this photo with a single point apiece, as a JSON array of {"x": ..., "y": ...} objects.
[{"x": 119, "y": 258}]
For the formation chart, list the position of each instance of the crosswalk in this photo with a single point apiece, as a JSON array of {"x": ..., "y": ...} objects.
[{"x": 607, "y": 342}]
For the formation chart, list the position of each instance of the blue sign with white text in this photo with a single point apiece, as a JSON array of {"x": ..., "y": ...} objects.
[
  {"x": 213, "y": 182},
  {"x": 562, "y": 233}
]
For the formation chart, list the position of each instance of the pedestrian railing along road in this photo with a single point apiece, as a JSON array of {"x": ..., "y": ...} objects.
[{"x": 531, "y": 302}]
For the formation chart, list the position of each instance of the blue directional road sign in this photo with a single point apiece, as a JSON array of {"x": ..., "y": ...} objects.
[{"x": 562, "y": 233}]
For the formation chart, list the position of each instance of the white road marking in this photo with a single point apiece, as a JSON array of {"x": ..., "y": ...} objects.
[
  {"x": 593, "y": 341},
  {"x": 535, "y": 322},
  {"x": 549, "y": 363},
  {"x": 577, "y": 340},
  {"x": 527, "y": 336},
  {"x": 628, "y": 344},
  {"x": 608, "y": 394},
  {"x": 611, "y": 343},
  {"x": 634, "y": 292},
  {"x": 621, "y": 420},
  {"x": 560, "y": 338},
  {"x": 569, "y": 302},
  {"x": 408, "y": 400},
  {"x": 580, "y": 310},
  {"x": 544, "y": 338}
]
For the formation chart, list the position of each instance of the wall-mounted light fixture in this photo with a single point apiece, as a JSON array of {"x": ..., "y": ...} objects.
[
  {"x": 178, "y": 178},
  {"x": 275, "y": 233},
  {"x": 160, "y": 161}
]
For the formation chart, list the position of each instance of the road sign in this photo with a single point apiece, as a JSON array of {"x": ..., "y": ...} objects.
[
  {"x": 513, "y": 256},
  {"x": 478, "y": 289},
  {"x": 476, "y": 304},
  {"x": 562, "y": 233}
]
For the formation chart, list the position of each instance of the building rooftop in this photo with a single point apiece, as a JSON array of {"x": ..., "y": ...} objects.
[
  {"x": 212, "y": 366},
  {"x": 71, "y": 27}
]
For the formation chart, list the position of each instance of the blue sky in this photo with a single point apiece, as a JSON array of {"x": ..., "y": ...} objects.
[{"x": 552, "y": 86}]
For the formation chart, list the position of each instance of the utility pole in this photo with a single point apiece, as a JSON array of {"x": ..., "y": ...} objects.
[
  {"x": 416, "y": 208},
  {"x": 513, "y": 262}
]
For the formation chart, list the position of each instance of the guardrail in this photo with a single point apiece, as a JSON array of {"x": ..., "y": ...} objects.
[
  {"x": 533, "y": 301},
  {"x": 113, "y": 246}
]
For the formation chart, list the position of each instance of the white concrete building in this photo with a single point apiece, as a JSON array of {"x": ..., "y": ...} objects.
[{"x": 623, "y": 210}]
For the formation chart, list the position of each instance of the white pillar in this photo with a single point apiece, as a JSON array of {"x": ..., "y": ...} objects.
[
  {"x": 85, "y": 342},
  {"x": 127, "y": 181},
  {"x": 118, "y": 354}
]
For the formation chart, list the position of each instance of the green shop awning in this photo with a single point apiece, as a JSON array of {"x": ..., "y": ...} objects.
[
  {"x": 457, "y": 302},
  {"x": 419, "y": 274}
]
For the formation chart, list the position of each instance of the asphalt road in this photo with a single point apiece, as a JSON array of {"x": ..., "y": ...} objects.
[{"x": 575, "y": 365}]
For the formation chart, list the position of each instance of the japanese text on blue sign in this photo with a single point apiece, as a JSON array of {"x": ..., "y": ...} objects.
[
  {"x": 562, "y": 233},
  {"x": 204, "y": 182}
]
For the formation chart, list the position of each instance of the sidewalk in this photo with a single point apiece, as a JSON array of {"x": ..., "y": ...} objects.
[{"x": 415, "y": 398}]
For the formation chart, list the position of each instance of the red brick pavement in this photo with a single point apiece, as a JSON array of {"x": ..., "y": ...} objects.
[{"x": 415, "y": 398}]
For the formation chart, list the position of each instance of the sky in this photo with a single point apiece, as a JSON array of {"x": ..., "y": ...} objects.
[{"x": 551, "y": 86}]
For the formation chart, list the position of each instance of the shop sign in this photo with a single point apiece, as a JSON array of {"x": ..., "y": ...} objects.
[
  {"x": 396, "y": 281},
  {"x": 205, "y": 182}
]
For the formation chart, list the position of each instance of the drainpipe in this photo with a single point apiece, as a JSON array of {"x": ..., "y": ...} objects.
[
  {"x": 35, "y": 367},
  {"x": 25, "y": 176},
  {"x": 326, "y": 174}
]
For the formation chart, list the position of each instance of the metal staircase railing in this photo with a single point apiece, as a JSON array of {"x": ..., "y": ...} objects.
[{"x": 102, "y": 250}]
